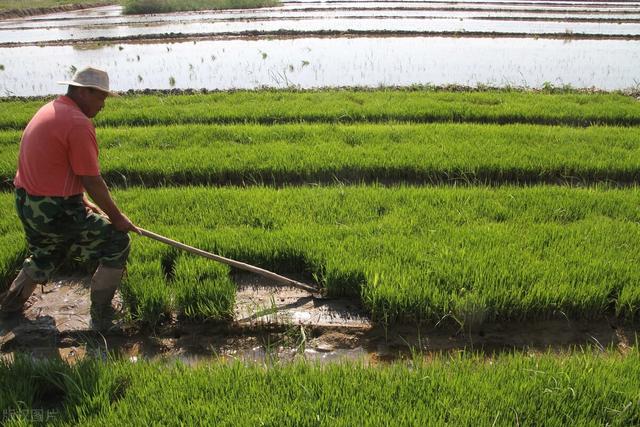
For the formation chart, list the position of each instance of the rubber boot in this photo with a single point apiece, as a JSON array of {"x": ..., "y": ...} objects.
[
  {"x": 12, "y": 301},
  {"x": 104, "y": 283}
]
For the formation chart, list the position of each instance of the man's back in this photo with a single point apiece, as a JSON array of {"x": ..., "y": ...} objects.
[{"x": 57, "y": 146}]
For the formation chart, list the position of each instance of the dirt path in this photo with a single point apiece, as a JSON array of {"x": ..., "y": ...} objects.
[{"x": 281, "y": 323}]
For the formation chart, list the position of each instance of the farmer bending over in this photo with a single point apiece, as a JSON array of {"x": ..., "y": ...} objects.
[{"x": 58, "y": 162}]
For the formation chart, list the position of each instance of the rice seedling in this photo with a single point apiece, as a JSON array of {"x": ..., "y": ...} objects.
[
  {"x": 478, "y": 254},
  {"x": 454, "y": 154},
  {"x": 203, "y": 289},
  {"x": 584, "y": 388},
  {"x": 337, "y": 106},
  {"x": 474, "y": 254},
  {"x": 468, "y": 253}
]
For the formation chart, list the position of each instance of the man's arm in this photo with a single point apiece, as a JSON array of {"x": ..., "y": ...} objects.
[{"x": 97, "y": 189}]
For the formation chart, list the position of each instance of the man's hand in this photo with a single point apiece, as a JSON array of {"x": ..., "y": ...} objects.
[
  {"x": 124, "y": 224},
  {"x": 93, "y": 207}
]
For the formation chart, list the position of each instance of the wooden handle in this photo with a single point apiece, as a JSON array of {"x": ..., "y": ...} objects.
[{"x": 228, "y": 261}]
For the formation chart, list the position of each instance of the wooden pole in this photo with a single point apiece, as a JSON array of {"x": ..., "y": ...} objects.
[{"x": 241, "y": 265}]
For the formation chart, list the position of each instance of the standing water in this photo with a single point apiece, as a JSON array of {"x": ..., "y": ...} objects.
[{"x": 307, "y": 44}]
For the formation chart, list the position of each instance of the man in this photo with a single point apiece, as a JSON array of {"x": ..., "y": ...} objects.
[{"x": 58, "y": 162}]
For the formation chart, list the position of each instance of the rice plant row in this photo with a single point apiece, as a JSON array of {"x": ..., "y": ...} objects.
[
  {"x": 472, "y": 254},
  {"x": 585, "y": 388},
  {"x": 352, "y": 105},
  {"x": 387, "y": 153}
]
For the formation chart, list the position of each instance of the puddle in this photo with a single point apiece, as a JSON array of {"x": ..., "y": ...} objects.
[
  {"x": 335, "y": 62},
  {"x": 293, "y": 327},
  {"x": 262, "y": 302}
]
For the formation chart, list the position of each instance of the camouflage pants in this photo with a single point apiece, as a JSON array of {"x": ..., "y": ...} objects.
[{"x": 59, "y": 226}]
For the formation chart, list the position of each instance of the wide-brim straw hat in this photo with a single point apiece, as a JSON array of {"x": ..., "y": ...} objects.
[{"x": 90, "y": 77}]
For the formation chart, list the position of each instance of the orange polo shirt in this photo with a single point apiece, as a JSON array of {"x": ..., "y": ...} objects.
[{"x": 58, "y": 146}]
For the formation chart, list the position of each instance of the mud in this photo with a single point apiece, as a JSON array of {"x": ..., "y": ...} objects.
[
  {"x": 274, "y": 323},
  {"x": 561, "y": 19},
  {"x": 294, "y": 34},
  {"x": 607, "y": 10}
]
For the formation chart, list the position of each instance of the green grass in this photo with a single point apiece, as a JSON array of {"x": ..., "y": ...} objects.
[
  {"x": 166, "y": 6},
  {"x": 476, "y": 254},
  {"x": 349, "y": 106},
  {"x": 414, "y": 153},
  {"x": 585, "y": 388}
]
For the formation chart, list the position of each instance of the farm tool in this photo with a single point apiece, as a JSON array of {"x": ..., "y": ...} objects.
[{"x": 237, "y": 264}]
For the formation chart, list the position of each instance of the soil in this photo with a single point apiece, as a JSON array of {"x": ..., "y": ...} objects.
[
  {"x": 278, "y": 323},
  {"x": 291, "y": 34}
]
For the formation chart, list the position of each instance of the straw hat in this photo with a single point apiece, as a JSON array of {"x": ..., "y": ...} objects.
[{"x": 90, "y": 77}]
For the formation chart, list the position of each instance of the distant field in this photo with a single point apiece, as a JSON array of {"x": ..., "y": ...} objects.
[
  {"x": 166, "y": 6},
  {"x": 142, "y": 6},
  {"x": 33, "y": 4},
  {"x": 427, "y": 206}
]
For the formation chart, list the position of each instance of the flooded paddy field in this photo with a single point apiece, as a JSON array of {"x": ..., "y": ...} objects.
[
  {"x": 310, "y": 44},
  {"x": 109, "y": 23},
  {"x": 319, "y": 62}
]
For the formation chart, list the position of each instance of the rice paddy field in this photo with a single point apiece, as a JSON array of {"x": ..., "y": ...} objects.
[
  {"x": 453, "y": 172},
  {"x": 311, "y": 44},
  {"x": 423, "y": 205}
]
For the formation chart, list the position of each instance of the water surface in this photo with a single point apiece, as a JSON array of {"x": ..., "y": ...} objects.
[{"x": 320, "y": 62}]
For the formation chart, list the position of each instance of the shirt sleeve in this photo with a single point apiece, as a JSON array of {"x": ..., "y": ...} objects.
[{"x": 83, "y": 151}]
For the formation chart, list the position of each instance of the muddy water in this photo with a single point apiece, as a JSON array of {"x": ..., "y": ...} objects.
[
  {"x": 277, "y": 324},
  {"x": 320, "y": 62}
]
